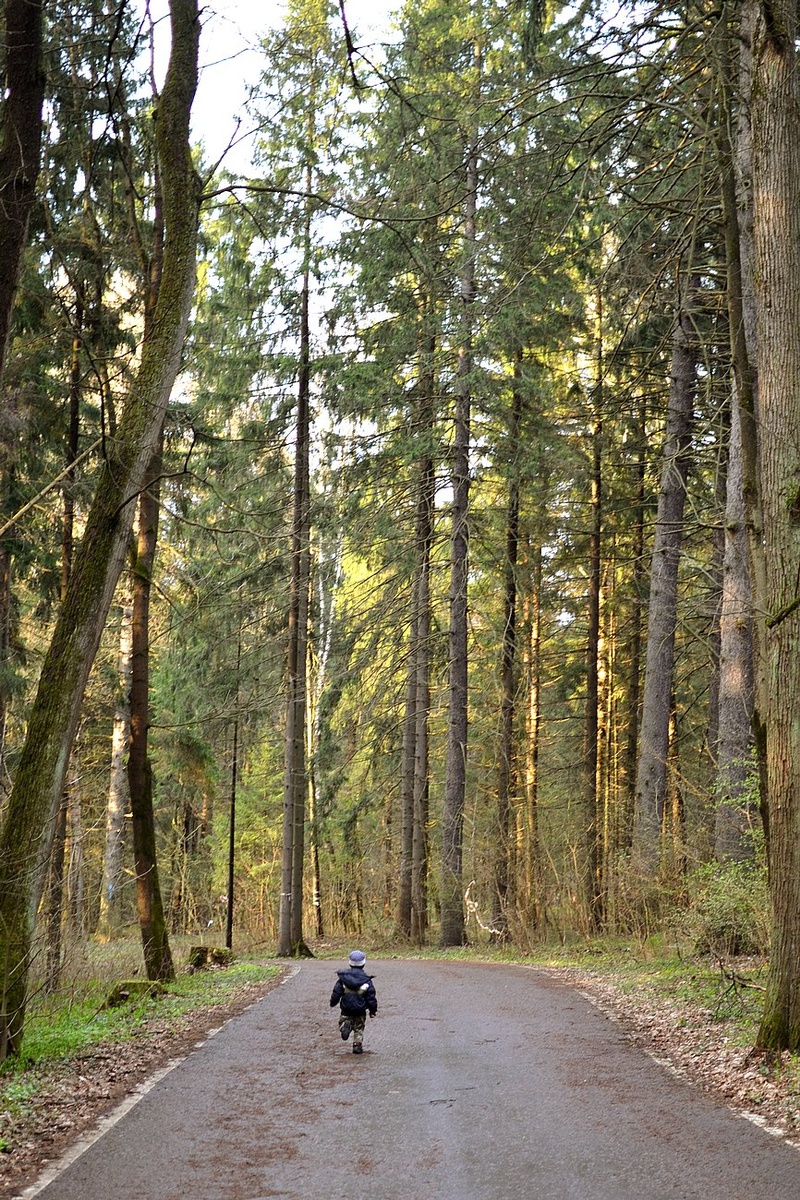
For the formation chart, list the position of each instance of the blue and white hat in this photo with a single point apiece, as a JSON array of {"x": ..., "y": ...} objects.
[{"x": 357, "y": 958}]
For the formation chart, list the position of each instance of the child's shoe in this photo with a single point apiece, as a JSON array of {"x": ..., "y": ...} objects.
[
  {"x": 358, "y": 1048},
  {"x": 345, "y": 1028}
]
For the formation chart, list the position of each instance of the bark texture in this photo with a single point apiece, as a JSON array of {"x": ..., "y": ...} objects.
[{"x": 775, "y": 113}]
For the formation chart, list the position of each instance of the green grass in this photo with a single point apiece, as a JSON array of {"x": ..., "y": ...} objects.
[{"x": 73, "y": 1021}]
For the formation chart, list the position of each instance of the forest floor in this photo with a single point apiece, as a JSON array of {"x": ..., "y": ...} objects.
[{"x": 66, "y": 1098}]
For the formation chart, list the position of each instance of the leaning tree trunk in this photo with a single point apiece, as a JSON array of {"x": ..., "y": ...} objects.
[
  {"x": 651, "y": 777},
  {"x": 27, "y": 831},
  {"x": 775, "y": 115}
]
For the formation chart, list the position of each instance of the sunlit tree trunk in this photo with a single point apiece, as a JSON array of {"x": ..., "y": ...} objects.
[
  {"x": 533, "y": 722},
  {"x": 118, "y": 790}
]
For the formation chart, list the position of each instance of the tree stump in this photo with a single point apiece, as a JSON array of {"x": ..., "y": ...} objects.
[
  {"x": 203, "y": 957},
  {"x": 132, "y": 989}
]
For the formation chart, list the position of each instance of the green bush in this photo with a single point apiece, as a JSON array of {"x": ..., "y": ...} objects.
[{"x": 729, "y": 912}]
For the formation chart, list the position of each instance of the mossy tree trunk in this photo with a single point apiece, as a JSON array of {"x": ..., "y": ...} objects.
[{"x": 27, "y": 831}]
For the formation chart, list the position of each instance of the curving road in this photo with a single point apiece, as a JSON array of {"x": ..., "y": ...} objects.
[{"x": 478, "y": 1082}]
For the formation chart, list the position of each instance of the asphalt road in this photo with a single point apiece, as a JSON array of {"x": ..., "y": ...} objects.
[{"x": 478, "y": 1082}]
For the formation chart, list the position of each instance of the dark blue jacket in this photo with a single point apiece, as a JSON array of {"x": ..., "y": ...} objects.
[{"x": 354, "y": 993}]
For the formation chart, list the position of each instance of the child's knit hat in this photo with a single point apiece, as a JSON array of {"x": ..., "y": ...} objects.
[{"x": 357, "y": 958}]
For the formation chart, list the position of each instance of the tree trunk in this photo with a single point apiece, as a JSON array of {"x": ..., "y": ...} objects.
[
  {"x": 651, "y": 779},
  {"x": 55, "y": 900},
  {"x": 508, "y": 665},
  {"x": 533, "y": 722},
  {"x": 232, "y": 833},
  {"x": 738, "y": 210},
  {"x": 422, "y": 706},
  {"x": 412, "y": 899},
  {"x": 75, "y": 871},
  {"x": 27, "y": 831},
  {"x": 20, "y": 150},
  {"x": 407, "y": 768},
  {"x": 592, "y": 864},
  {"x": 118, "y": 790},
  {"x": 634, "y": 641},
  {"x": 734, "y": 751},
  {"x": 149, "y": 902},
  {"x": 290, "y": 932},
  {"x": 775, "y": 115},
  {"x": 452, "y": 931}
]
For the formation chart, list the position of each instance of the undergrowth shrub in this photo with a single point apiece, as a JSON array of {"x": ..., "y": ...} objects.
[{"x": 729, "y": 910}]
